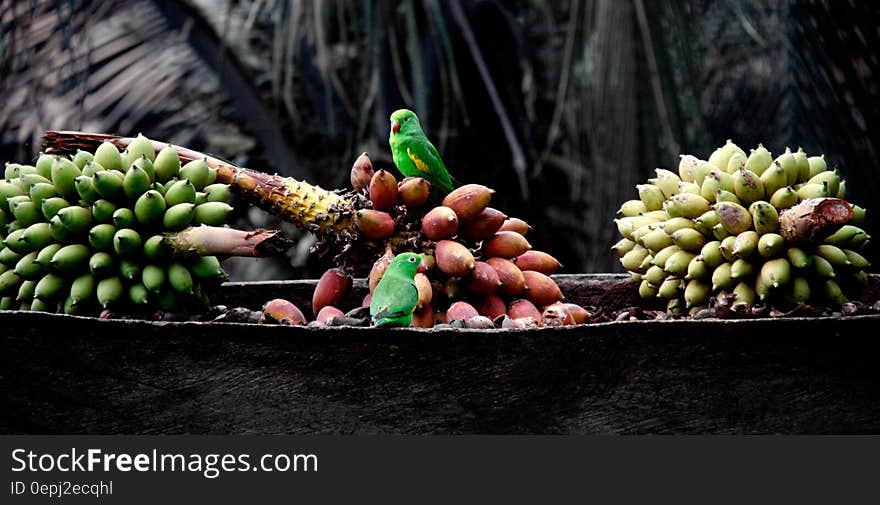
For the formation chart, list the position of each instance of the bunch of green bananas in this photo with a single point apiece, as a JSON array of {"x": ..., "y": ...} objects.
[
  {"x": 85, "y": 232},
  {"x": 713, "y": 229}
]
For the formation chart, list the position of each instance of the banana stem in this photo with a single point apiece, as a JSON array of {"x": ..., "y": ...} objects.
[
  {"x": 814, "y": 219},
  {"x": 218, "y": 241},
  {"x": 324, "y": 212}
]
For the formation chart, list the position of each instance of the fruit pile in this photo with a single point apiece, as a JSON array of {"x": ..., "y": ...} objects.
[
  {"x": 477, "y": 265},
  {"x": 86, "y": 232},
  {"x": 747, "y": 227}
]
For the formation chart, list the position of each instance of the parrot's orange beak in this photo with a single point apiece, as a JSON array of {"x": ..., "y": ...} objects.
[
  {"x": 395, "y": 126},
  {"x": 422, "y": 269}
]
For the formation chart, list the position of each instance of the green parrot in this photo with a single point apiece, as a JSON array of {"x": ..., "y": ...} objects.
[
  {"x": 413, "y": 153},
  {"x": 396, "y": 296}
]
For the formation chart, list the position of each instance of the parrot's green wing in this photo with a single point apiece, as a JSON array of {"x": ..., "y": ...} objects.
[
  {"x": 394, "y": 300},
  {"x": 426, "y": 158}
]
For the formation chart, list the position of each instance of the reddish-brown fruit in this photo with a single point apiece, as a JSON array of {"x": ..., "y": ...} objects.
[
  {"x": 367, "y": 299},
  {"x": 523, "y": 308},
  {"x": 327, "y": 313},
  {"x": 515, "y": 224},
  {"x": 469, "y": 200},
  {"x": 423, "y": 317},
  {"x": 483, "y": 280},
  {"x": 423, "y": 285},
  {"x": 374, "y": 224},
  {"x": 511, "y": 277},
  {"x": 483, "y": 226},
  {"x": 454, "y": 259},
  {"x": 361, "y": 173},
  {"x": 491, "y": 306},
  {"x": 556, "y": 315},
  {"x": 540, "y": 289},
  {"x": 578, "y": 313},
  {"x": 506, "y": 244},
  {"x": 439, "y": 223},
  {"x": 413, "y": 191},
  {"x": 331, "y": 288},
  {"x": 383, "y": 190},
  {"x": 379, "y": 267},
  {"x": 537, "y": 261},
  {"x": 479, "y": 323},
  {"x": 283, "y": 311},
  {"x": 461, "y": 310}
]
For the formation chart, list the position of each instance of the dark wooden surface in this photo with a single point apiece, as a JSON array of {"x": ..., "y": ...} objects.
[{"x": 63, "y": 374}]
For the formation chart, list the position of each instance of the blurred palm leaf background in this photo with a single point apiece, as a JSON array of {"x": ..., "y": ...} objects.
[{"x": 560, "y": 106}]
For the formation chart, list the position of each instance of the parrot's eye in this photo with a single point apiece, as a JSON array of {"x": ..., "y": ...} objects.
[
  {"x": 406, "y": 120},
  {"x": 412, "y": 260}
]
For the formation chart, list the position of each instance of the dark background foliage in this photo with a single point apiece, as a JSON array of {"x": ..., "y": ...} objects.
[{"x": 562, "y": 107}]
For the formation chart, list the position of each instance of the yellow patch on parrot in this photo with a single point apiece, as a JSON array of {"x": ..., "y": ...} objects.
[{"x": 421, "y": 165}]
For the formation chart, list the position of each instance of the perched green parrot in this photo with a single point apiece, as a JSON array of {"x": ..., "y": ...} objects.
[
  {"x": 396, "y": 296},
  {"x": 413, "y": 153}
]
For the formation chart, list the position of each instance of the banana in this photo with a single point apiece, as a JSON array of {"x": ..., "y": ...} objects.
[
  {"x": 677, "y": 264},
  {"x": 832, "y": 292},
  {"x": 51, "y": 206},
  {"x": 64, "y": 174},
  {"x": 179, "y": 216},
  {"x": 37, "y": 236},
  {"x": 833, "y": 254},
  {"x": 759, "y": 160},
  {"x": 789, "y": 165},
  {"x": 109, "y": 291},
  {"x": 78, "y": 220},
  {"x": 634, "y": 258},
  {"x": 101, "y": 237},
  {"x": 109, "y": 184},
  {"x": 145, "y": 164},
  {"x": 166, "y": 164},
  {"x": 129, "y": 270},
  {"x": 721, "y": 277},
  {"x": 813, "y": 190},
  {"x": 27, "y": 267},
  {"x": 43, "y": 165},
  {"x": 774, "y": 179},
  {"x": 771, "y": 245},
  {"x": 26, "y": 290},
  {"x": 124, "y": 218},
  {"x": 822, "y": 267},
  {"x": 747, "y": 186},
  {"x": 215, "y": 213},
  {"x": 629, "y": 208},
  {"x": 706, "y": 222},
  {"x": 14, "y": 242},
  {"x": 179, "y": 278},
  {"x": 737, "y": 161},
  {"x": 670, "y": 288},
  {"x": 798, "y": 291},
  {"x": 858, "y": 215},
  {"x": 149, "y": 208},
  {"x": 198, "y": 173},
  {"x": 102, "y": 264},
  {"x": 711, "y": 254},
  {"x": 696, "y": 293},
  {"x": 727, "y": 245},
  {"x": 651, "y": 196},
  {"x": 685, "y": 187},
  {"x": 207, "y": 267},
  {"x": 831, "y": 178},
  {"x": 697, "y": 268},
  {"x": 108, "y": 156},
  {"x": 741, "y": 269},
  {"x": 745, "y": 244},
  {"x": 91, "y": 169},
  {"x": 655, "y": 240},
  {"x": 9, "y": 281},
  {"x": 817, "y": 165},
  {"x": 776, "y": 272},
  {"x": 622, "y": 247},
  {"x": 856, "y": 260},
  {"x": 86, "y": 189},
  {"x": 153, "y": 278},
  {"x": 154, "y": 249},
  {"x": 44, "y": 257},
  {"x": 40, "y": 192},
  {"x": 646, "y": 289},
  {"x": 663, "y": 256},
  {"x": 689, "y": 239},
  {"x": 727, "y": 196},
  {"x": 687, "y": 205},
  {"x": 744, "y": 293},
  {"x": 135, "y": 182},
  {"x": 841, "y": 190},
  {"x": 127, "y": 243},
  {"x": 82, "y": 289},
  {"x": 102, "y": 210},
  {"x": 49, "y": 287},
  {"x": 654, "y": 275},
  {"x": 181, "y": 191},
  {"x": 71, "y": 258},
  {"x": 803, "y": 165},
  {"x": 765, "y": 217},
  {"x": 25, "y": 211},
  {"x": 140, "y": 146},
  {"x": 798, "y": 257},
  {"x": 138, "y": 294}
]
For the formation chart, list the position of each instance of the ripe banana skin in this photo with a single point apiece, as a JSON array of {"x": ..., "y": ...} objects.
[{"x": 714, "y": 227}]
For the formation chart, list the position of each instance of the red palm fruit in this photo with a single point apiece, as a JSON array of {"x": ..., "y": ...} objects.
[
  {"x": 383, "y": 190},
  {"x": 540, "y": 289},
  {"x": 515, "y": 224},
  {"x": 506, "y": 244},
  {"x": 454, "y": 259},
  {"x": 423, "y": 317},
  {"x": 282, "y": 311},
  {"x": 423, "y": 285},
  {"x": 480, "y": 323},
  {"x": 374, "y": 224},
  {"x": 491, "y": 306},
  {"x": 379, "y": 267},
  {"x": 361, "y": 173},
  {"x": 439, "y": 223},
  {"x": 327, "y": 313},
  {"x": 556, "y": 315},
  {"x": 413, "y": 191},
  {"x": 537, "y": 261},
  {"x": 523, "y": 308},
  {"x": 469, "y": 200},
  {"x": 367, "y": 299},
  {"x": 461, "y": 310},
  {"x": 578, "y": 313},
  {"x": 511, "y": 277},
  {"x": 331, "y": 288},
  {"x": 483, "y": 226},
  {"x": 483, "y": 280}
]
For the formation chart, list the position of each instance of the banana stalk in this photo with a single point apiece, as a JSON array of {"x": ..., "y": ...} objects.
[{"x": 218, "y": 241}]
